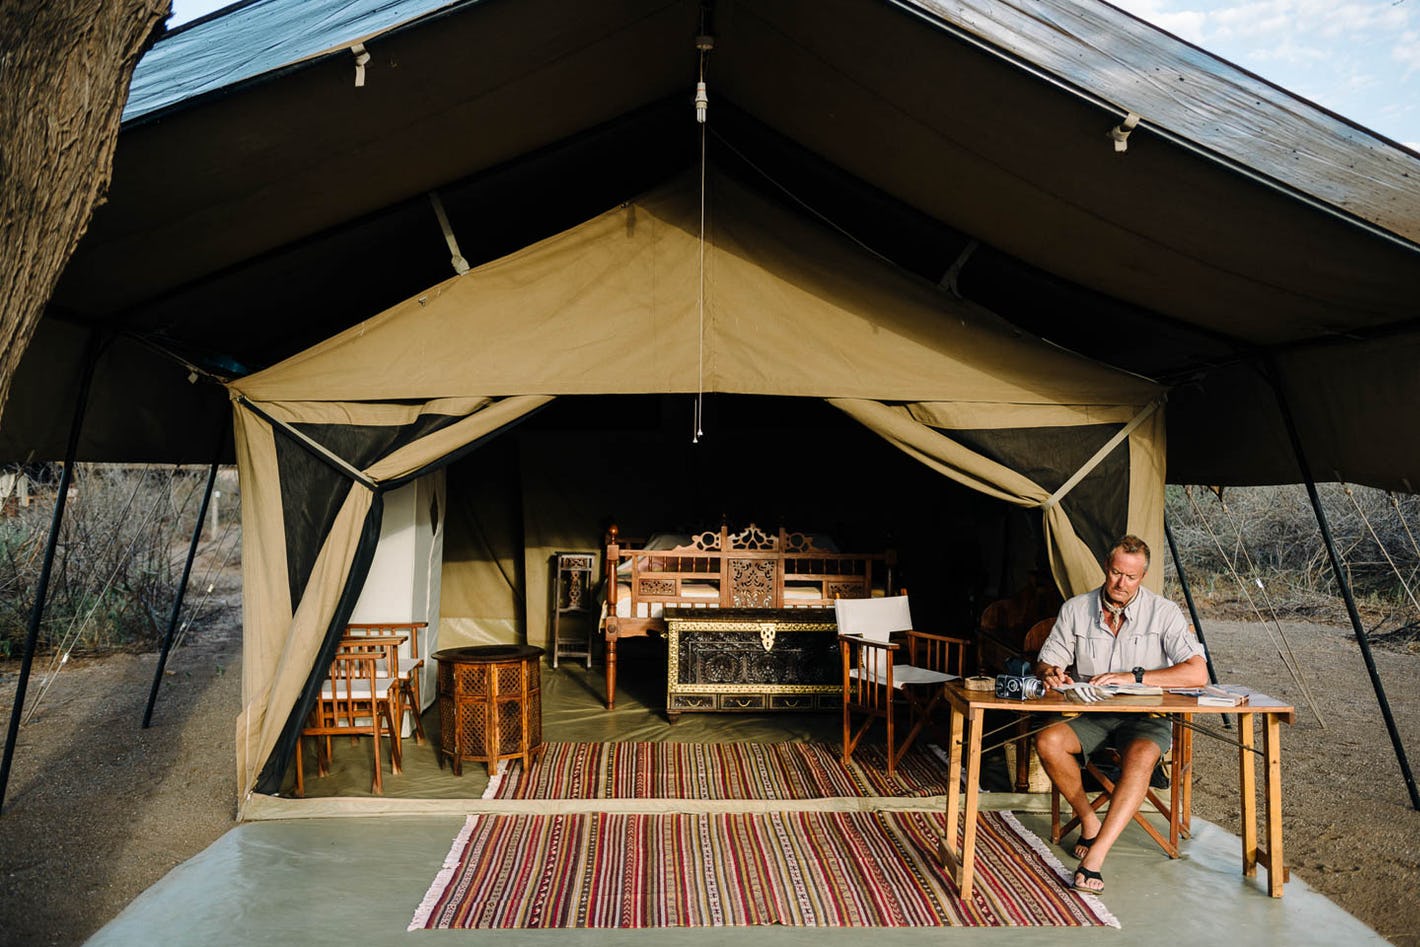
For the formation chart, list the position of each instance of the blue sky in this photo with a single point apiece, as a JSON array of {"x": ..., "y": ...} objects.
[{"x": 1358, "y": 58}]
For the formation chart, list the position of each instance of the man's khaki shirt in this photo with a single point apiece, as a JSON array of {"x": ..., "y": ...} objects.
[{"x": 1154, "y": 635}]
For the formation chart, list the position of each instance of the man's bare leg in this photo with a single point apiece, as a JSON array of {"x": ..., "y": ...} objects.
[
  {"x": 1059, "y": 750},
  {"x": 1137, "y": 762}
]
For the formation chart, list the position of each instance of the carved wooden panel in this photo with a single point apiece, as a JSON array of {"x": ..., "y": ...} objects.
[
  {"x": 752, "y": 583},
  {"x": 847, "y": 590},
  {"x": 737, "y": 658},
  {"x": 752, "y": 537}
]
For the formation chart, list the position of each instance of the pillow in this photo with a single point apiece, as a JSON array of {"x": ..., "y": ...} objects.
[{"x": 661, "y": 541}]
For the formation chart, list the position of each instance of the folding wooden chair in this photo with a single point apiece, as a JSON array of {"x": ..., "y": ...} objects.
[
  {"x": 1177, "y": 811},
  {"x": 409, "y": 665},
  {"x": 874, "y": 688},
  {"x": 354, "y": 700}
]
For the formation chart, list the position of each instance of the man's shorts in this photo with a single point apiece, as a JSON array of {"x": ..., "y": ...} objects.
[{"x": 1094, "y": 730}]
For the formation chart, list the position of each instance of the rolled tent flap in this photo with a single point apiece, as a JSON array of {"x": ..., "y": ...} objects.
[
  {"x": 918, "y": 430},
  {"x": 302, "y": 541}
]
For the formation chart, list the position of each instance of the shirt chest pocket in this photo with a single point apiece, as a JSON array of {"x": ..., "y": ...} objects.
[
  {"x": 1146, "y": 650},
  {"x": 1100, "y": 650}
]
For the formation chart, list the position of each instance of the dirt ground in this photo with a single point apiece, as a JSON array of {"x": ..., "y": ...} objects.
[{"x": 98, "y": 809}]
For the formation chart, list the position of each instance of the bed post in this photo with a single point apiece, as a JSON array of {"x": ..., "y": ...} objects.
[{"x": 609, "y": 627}]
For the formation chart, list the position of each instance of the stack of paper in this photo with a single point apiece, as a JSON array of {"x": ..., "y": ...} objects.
[{"x": 1215, "y": 695}]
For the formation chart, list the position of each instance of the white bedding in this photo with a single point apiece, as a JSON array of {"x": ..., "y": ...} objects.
[{"x": 708, "y": 593}]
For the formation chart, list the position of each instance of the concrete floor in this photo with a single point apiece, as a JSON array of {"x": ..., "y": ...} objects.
[{"x": 301, "y": 875}]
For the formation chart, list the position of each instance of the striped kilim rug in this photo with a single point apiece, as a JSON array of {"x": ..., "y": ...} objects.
[
  {"x": 802, "y": 868},
  {"x": 716, "y": 771}
]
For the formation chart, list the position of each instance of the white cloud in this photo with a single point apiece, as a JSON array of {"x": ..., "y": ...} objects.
[{"x": 1406, "y": 51}]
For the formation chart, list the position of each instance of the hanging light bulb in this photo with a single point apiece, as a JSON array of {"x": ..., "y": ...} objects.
[
  {"x": 704, "y": 43},
  {"x": 702, "y": 102}
]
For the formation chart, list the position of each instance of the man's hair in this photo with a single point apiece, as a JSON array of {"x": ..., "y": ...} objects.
[{"x": 1130, "y": 544}]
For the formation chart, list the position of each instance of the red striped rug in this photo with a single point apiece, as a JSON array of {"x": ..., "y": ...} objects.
[
  {"x": 801, "y": 868},
  {"x": 716, "y": 771}
]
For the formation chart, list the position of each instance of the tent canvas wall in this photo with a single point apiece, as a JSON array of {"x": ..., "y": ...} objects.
[{"x": 620, "y": 304}]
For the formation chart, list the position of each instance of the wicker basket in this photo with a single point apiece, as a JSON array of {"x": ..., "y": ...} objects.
[{"x": 1038, "y": 781}]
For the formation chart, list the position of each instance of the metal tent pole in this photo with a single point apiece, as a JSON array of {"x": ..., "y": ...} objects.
[
  {"x": 91, "y": 359},
  {"x": 1362, "y": 638},
  {"x": 1193, "y": 613},
  {"x": 186, "y": 575},
  {"x": 1188, "y": 597}
]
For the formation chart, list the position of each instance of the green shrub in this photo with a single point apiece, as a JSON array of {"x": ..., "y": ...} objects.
[{"x": 121, "y": 549}]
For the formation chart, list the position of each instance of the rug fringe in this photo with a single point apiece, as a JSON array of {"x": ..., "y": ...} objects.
[
  {"x": 496, "y": 780},
  {"x": 1047, "y": 855},
  {"x": 444, "y": 876}
]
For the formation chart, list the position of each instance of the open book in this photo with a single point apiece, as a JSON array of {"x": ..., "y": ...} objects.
[
  {"x": 1086, "y": 693},
  {"x": 1134, "y": 690}
]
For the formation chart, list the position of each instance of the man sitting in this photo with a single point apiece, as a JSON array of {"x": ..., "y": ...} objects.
[{"x": 1120, "y": 632}]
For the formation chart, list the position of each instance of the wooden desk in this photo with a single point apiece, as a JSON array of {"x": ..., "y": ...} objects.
[
  {"x": 968, "y": 708},
  {"x": 490, "y": 704}
]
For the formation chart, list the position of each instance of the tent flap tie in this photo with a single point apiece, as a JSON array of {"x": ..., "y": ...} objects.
[
  {"x": 949, "y": 278},
  {"x": 460, "y": 264},
  {"x": 361, "y": 58}
]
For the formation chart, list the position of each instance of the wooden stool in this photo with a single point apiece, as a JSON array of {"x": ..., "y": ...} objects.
[{"x": 490, "y": 705}]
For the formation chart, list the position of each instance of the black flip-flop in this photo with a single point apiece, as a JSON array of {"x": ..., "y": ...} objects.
[
  {"x": 1082, "y": 843},
  {"x": 1089, "y": 875}
]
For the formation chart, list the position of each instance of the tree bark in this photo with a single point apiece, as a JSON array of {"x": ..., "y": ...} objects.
[{"x": 65, "y": 66}]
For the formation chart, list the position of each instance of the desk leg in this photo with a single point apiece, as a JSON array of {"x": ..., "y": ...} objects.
[
  {"x": 1247, "y": 790},
  {"x": 1272, "y": 786},
  {"x": 973, "y": 790},
  {"x": 947, "y": 851}
]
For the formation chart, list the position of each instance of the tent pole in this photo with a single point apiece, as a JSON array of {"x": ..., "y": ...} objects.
[
  {"x": 186, "y": 575},
  {"x": 91, "y": 360},
  {"x": 1362, "y": 638},
  {"x": 1188, "y": 598},
  {"x": 1193, "y": 613}
]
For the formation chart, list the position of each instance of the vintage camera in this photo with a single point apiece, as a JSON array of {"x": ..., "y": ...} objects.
[
  {"x": 1019, "y": 688},
  {"x": 1018, "y": 683}
]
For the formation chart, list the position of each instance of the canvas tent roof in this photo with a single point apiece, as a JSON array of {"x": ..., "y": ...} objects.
[
  {"x": 618, "y": 305},
  {"x": 249, "y": 219}
]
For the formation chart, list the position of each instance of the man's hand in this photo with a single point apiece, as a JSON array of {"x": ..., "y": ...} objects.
[
  {"x": 1052, "y": 676},
  {"x": 1113, "y": 677}
]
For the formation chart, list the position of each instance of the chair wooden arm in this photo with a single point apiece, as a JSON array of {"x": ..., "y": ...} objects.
[{"x": 937, "y": 652}]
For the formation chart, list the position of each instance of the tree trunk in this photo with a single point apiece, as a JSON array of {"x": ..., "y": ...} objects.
[{"x": 65, "y": 66}]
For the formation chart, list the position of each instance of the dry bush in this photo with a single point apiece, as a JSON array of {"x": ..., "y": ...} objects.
[
  {"x": 1269, "y": 535},
  {"x": 121, "y": 549}
]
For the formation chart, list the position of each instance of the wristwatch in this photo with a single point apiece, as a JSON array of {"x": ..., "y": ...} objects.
[{"x": 1138, "y": 675}]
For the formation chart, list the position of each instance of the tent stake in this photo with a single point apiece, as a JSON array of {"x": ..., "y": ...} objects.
[
  {"x": 186, "y": 575},
  {"x": 1274, "y": 378},
  {"x": 91, "y": 360}
]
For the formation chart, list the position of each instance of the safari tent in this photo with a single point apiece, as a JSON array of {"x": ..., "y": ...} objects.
[
  {"x": 620, "y": 306},
  {"x": 1013, "y": 240}
]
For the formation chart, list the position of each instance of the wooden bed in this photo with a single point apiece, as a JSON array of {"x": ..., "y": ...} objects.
[{"x": 749, "y": 569}]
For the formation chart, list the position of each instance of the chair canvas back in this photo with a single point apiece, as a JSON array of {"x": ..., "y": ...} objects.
[{"x": 873, "y": 618}]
